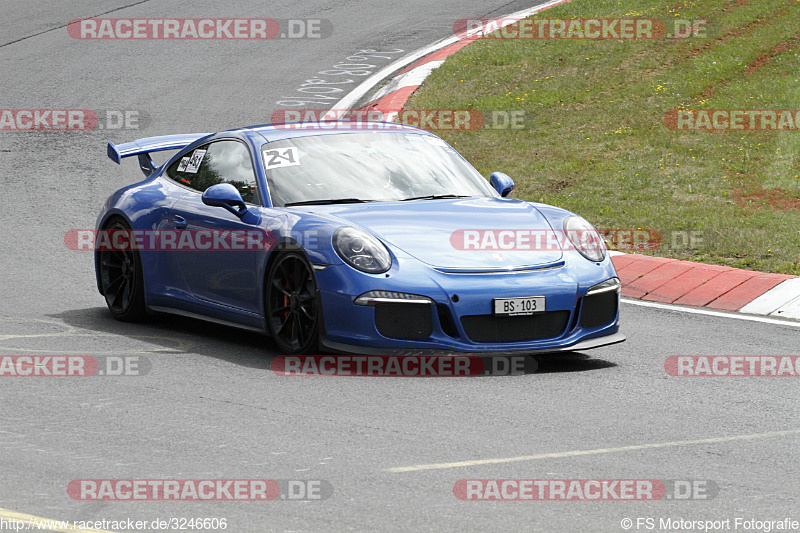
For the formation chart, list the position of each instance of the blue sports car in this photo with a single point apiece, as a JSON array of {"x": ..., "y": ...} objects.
[{"x": 367, "y": 240}]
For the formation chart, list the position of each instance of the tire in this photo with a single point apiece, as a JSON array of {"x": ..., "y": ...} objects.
[
  {"x": 292, "y": 304},
  {"x": 122, "y": 279}
]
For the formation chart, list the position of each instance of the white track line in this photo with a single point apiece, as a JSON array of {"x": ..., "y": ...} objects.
[
  {"x": 577, "y": 453},
  {"x": 722, "y": 314}
]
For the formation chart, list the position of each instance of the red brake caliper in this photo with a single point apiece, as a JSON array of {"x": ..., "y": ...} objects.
[{"x": 286, "y": 303}]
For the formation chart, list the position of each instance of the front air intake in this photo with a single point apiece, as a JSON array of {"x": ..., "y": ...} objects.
[{"x": 404, "y": 320}]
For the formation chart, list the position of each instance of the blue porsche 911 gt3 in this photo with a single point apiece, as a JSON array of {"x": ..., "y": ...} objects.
[{"x": 379, "y": 240}]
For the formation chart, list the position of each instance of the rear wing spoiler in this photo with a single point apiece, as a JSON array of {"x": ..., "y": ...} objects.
[{"x": 143, "y": 148}]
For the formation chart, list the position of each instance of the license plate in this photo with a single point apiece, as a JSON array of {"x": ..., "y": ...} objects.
[{"x": 518, "y": 306}]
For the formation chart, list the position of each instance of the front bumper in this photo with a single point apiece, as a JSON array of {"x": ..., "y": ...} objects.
[{"x": 462, "y": 302}]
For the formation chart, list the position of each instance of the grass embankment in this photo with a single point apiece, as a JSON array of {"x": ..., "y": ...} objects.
[{"x": 595, "y": 141}]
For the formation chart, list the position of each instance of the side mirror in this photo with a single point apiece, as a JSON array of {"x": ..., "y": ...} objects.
[
  {"x": 225, "y": 195},
  {"x": 501, "y": 183}
]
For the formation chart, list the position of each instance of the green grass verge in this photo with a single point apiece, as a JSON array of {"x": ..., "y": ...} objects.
[{"x": 595, "y": 142}]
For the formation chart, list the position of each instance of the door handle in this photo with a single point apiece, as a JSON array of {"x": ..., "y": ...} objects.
[{"x": 180, "y": 222}]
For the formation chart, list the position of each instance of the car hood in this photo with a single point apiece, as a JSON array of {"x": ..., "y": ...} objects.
[{"x": 433, "y": 231}]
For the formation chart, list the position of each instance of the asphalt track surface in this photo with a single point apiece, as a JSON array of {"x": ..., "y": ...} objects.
[{"x": 210, "y": 407}]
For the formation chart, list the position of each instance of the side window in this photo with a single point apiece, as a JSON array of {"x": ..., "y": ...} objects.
[{"x": 218, "y": 162}]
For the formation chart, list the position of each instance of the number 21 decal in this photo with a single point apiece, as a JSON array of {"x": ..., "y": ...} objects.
[{"x": 281, "y": 157}]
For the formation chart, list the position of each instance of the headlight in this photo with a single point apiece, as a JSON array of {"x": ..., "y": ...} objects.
[
  {"x": 608, "y": 285},
  {"x": 361, "y": 250},
  {"x": 585, "y": 238}
]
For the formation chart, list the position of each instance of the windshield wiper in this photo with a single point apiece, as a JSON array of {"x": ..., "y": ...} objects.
[
  {"x": 435, "y": 197},
  {"x": 326, "y": 202}
]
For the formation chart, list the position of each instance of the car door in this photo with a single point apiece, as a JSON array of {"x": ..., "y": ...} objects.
[{"x": 218, "y": 266}]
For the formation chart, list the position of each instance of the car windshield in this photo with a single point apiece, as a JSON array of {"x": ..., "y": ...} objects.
[{"x": 367, "y": 167}]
